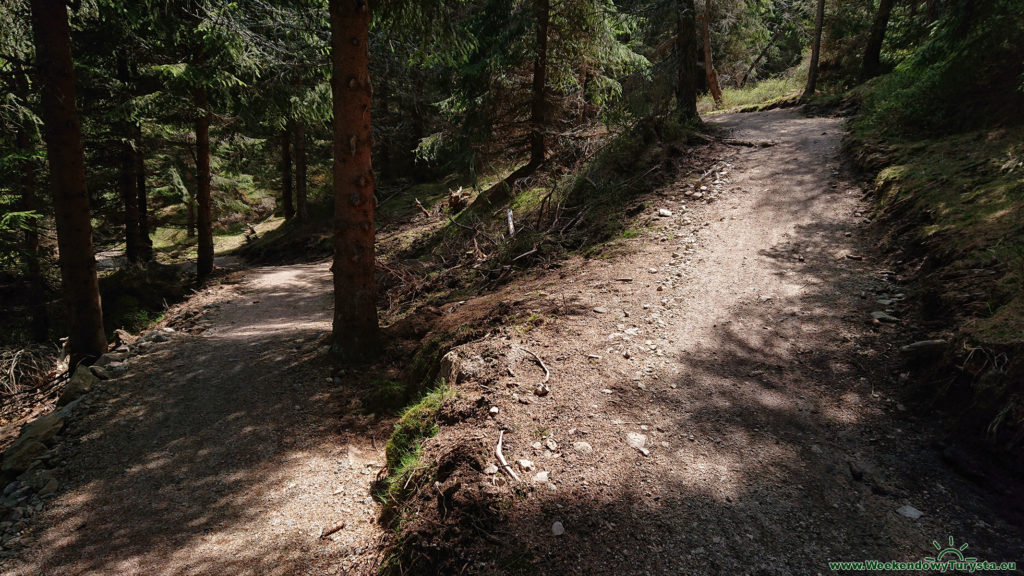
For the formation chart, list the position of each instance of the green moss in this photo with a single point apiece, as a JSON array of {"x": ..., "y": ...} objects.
[
  {"x": 404, "y": 448},
  {"x": 385, "y": 396}
]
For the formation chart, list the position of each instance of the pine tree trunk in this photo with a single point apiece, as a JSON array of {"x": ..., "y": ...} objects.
[
  {"x": 540, "y": 75},
  {"x": 302, "y": 210},
  {"x": 873, "y": 53},
  {"x": 709, "y": 65},
  {"x": 40, "y": 326},
  {"x": 812, "y": 73},
  {"x": 686, "y": 51},
  {"x": 204, "y": 220},
  {"x": 129, "y": 182},
  {"x": 355, "y": 291},
  {"x": 63, "y": 135},
  {"x": 143, "y": 201},
  {"x": 760, "y": 56},
  {"x": 286, "y": 172}
]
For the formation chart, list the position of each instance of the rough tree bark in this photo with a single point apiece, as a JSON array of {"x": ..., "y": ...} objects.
[
  {"x": 63, "y": 135},
  {"x": 540, "y": 79},
  {"x": 355, "y": 294},
  {"x": 287, "y": 205},
  {"x": 873, "y": 53},
  {"x": 204, "y": 220},
  {"x": 39, "y": 326},
  {"x": 143, "y": 201},
  {"x": 709, "y": 64},
  {"x": 129, "y": 181},
  {"x": 686, "y": 51},
  {"x": 812, "y": 73},
  {"x": 301, "y": 207}
]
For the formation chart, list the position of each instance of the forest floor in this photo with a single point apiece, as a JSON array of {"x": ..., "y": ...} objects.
[{"x": 720, "y": 402}]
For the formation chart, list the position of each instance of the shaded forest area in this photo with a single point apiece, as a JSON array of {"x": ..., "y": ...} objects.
[{"x": 440, "y": 150}]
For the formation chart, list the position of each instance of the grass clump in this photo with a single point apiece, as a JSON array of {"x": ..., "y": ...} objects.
[{"x": 404, "y": 448}]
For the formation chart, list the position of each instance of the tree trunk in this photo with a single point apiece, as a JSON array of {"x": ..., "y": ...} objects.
[
  {"x": 204, "y": 220},
  {"x": 812, "y": 73},
  {"x": 873, "y": 54},
  {"x": 709, "y": 65},
  {"x": 129, "y": 182},
  {"x": 686, "y": 51},
  {"x": 301, "y": 208},
  {"x": 540, "y": 75},
  {"x": 286, "y": 172},
  {"x": 930, "y": 12},
  {"x": 63, "y": 134},
  {"x": 143, "y": 201},
  {"x": 40, "y": 326},
  {"x": 355, "y": 290},
  {"x": 190, "y": 218},
  {"x": 760, "y": 56}
]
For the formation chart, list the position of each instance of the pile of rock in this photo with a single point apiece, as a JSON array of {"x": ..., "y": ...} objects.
[{"x": 29, "y": 466}]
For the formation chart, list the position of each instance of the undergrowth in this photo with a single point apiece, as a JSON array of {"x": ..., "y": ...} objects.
[
  {"x": 404, "y": 448},
  {"x": 948, "y": 155}
]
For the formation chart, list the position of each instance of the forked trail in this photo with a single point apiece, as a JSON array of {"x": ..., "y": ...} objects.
[{"x": 742, "y": 350}]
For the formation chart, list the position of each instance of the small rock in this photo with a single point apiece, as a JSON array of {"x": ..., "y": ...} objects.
[
  {"x": 541, "y": 476},
  {"x": 557, "y": 529},
  {"x": 491, "y": 470},
  {"x": 551, "y": 444},
  {"x": 526, "y": 465},
  {"x": 494, "y": 410},
  {"x": 600, "y": 310},
  {"x": 880, "y": 316},
  {"x": 541, "y": 389},
  {"x": 664, "y": 212},
  {"x": 42, "y": 429},
  {"x": 20, "y": 456},
  {"x": 100, "y": 372},
  {"x": 925, "y": 348},
  {"x": 626, "y": 354},
  {"x": 909, "y": 511},
  {"x": 582, "y": 447},
  {"x": 636, "y": 440},
  {"x": 80, "y": 383},
  {"x": 117, "y": 368}
]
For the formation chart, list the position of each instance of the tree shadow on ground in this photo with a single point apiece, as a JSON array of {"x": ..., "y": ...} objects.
[
  {"x": 776, "y": 448},
  {"x": 197, "y": 460}
]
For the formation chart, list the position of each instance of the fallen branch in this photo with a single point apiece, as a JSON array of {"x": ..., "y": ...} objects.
[
  {"x": 525, "y": 254},
  {"x": 547, "y": 374},
  {"x": 422, "y": 209},
  {"x": 511, "y": 224},
  {"x": 749, "y": 143},
  {"x": 501, "y": 458}
]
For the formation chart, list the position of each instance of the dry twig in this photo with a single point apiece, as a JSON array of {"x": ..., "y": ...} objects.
[
  {"x": 547, "y": 374},
  {"x": 501, "y": 458}
]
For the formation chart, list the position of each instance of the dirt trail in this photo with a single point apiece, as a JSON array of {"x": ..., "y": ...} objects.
[
  {"x": 732, "y": 340},
  {"x": 219, "y": 452},
  {"x": 733, "y": 346}
]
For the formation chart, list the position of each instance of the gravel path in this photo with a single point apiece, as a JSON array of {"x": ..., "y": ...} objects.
[
  {"x": 718, "y": 404},
  {"x": 219, "y": 452},
  {"x": 720, "y": 401}
]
